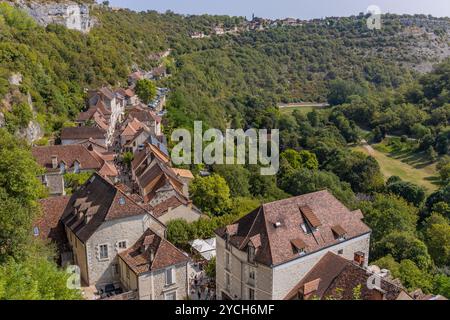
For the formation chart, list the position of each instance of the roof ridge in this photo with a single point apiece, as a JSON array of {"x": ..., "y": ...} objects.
[{"x": 251, "y": 228}]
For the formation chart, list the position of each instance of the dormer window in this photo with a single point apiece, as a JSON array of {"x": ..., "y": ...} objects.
[
  {"x": 339, "y": 232},
  {"x": 305, "y": 228},
  {"x": 299, "y": 247},
  {"x": 62, "y": 167},
  {"x": 251, "y": 254}
]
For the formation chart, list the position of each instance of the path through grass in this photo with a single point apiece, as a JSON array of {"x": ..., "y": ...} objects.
[{"x": 412, "y": 167}]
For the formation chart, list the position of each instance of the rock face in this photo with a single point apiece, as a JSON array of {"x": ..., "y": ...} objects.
[
  {"x": 31, "y": 133},
  {"x": 70, "y": 14}
]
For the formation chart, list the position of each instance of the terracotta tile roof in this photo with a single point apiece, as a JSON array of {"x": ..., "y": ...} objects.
[
  {"x": 156, "y": 177},
  {"x": 279, "y": 223},
  {"x": 77, "y": 133},
  {"x": 108, "y": 170},
  {"x": 144, "y": 115},
  {"x": 92, "y": 144},
  {"x": 150, "y": 152},
  {"x": 334, "y": 276},
  {"x": 151, "y": 253},
  {"x": 136, "y": 75},
  {"x": 184, "y": 173},
  {"x": 107, "y": 93},
  {"x": 310, "y": 216},
  {"x": 100, "y": 201},
  {"x": 163, "y": 207},
  {"x": 132, "y": 127},
  {"x": 67, "y": 153},
  {"x": 128, "y": 93},
  {"x": 48, "y": 223}
]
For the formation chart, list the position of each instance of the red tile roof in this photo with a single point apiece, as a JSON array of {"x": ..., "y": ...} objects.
[
  {"x": 67, "y": 153},
  {"x": 335, "y": 277},
  {"x": 151, "y": 252},
  {"x": 77, "y": 133},
  {"x": 279, "y": 223},
  {"x": 48, "y": 223}
]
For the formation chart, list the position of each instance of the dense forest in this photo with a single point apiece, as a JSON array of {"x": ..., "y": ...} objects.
[{"x": 369, "y": 77}]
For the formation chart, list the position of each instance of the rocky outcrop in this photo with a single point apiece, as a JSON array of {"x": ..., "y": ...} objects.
[
  {"x": 31, "y": 133},
  {"x": 70, "y": 14}
]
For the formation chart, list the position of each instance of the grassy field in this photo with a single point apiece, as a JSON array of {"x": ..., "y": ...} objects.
[
  {"x": 409, "y": 166},
  {"x": 304, "y": 108}
]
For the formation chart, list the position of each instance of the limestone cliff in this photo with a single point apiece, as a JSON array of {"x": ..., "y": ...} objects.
[{"x": 71, "y": 14}]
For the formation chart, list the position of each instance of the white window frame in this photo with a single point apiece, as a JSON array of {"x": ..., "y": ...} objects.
[
  {"x": 172, "y": 276},
  {"x": 118, "y": 245},
  {"x": 100, "y": 252}
]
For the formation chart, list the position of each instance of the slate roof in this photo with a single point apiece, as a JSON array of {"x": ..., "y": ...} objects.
[
  {"x": 334, "y": 276},
  {"x": 100, "y": 201},
  {"x": 139, "y": 256},
  {"x": 278, "y": 223}
]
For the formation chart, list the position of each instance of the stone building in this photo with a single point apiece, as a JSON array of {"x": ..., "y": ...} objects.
[
  {"x": 266, "y": 253},
  {"x": 61, "y": 159},
  {"x": 100, "y": 221},
  {"x": 155, "y": 269}
]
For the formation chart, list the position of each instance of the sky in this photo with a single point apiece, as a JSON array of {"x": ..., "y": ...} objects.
[{"x": 302, "y": 9}]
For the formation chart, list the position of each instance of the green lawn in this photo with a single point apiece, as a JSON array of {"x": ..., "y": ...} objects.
[
  {"x": 304, "y": 109},
  {"x": 409, "y": 166}
]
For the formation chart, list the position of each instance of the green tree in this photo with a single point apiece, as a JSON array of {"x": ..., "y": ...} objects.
[
  {"x": 304, "y": 181},
  {"x": 302, "y": 159},
  {"x": 35, "y": 278},
  {"x": 210, "y": 268},
  {"x": 237, "y": 178},
  {"x": 145, "y": 90},
  {"x": 128, "y": 158},
  {"x": 408, "y": 191},
  {"x": 441, "y": 285},
  {"x": 75, "y": 180},
  {"x": 388, "y": 213},
  {"x": 19, "y": 190},
  {"x": 211, "y": 194},
  {"x": 412, "y": 277},
  {"x": 437, "y": 238},
  {"x": 403, "y": 245},
  {"x": 441, "y": 196},
  {"x": 178, "y": 232},
  {"x": 407, "y": 272}
]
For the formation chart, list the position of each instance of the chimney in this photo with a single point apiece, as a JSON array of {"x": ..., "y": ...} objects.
[
  {"x": 359, "y": 258},
  {"x": 54, "y": 162}
]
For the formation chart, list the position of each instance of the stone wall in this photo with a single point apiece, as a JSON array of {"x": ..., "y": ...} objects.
[
  {"x": 130, "y": 229},
  {"x": 287, "y": 275},
  {"x": 273, "y": 283}
]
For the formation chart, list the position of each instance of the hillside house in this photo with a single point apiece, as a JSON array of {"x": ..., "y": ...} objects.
[
  {"x": 61, "y": 159},
  {"x": 263, "y": 255}
]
